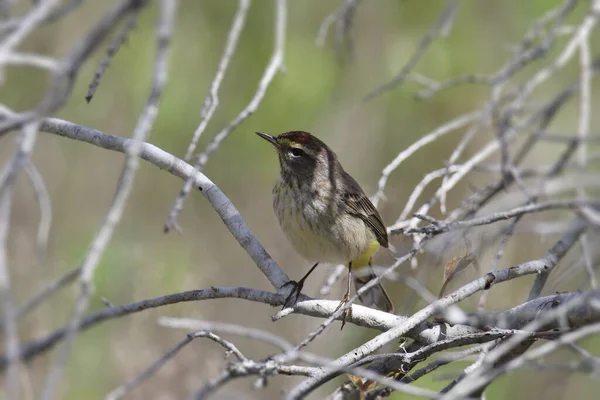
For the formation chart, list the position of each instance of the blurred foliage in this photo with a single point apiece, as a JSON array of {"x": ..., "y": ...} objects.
[{"x": 320, "y": 93}]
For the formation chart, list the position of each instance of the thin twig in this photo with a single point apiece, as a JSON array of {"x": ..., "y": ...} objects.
[
  {"x": 332, "y": 279},
  {"x": 232, "y": 329},
  {"x": 448, "y": 127},
  {"x": 212, "y": 100},
  {"x": 420, "y": 187},
  {"x": 496, "y": 260},
  {"x": 338, "y": 313},
  {"x": 43, "y": 198},
  {"x": 48, "y": 290},
  {"x": 440, "y": 227},
  {"x": 116, "y": 44},
  {"x": 31, "y": 21},
  {"x": 583, "y": 133},
  {"x": 11, "y": 339},
  {"x": 343, "y": 18},
  {"x": 445, "y": 360},
  {"x": 582, "y": 33},
  {"x": 442, "y": 23},
  {"x": 34, "y": 60},
  {"x": 523, "y": 55}
]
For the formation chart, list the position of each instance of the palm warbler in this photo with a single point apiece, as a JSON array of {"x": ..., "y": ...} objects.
[{"x": 325, "y": 214}]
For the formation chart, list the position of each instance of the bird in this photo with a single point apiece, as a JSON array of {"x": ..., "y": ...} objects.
[{"x": 325, "y": 214}]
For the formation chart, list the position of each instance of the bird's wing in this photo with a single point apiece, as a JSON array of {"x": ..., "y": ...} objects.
[{"x": 360, "y": 206}]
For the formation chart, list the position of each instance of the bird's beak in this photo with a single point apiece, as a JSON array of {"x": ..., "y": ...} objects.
[{"x": 269, "y": 138}]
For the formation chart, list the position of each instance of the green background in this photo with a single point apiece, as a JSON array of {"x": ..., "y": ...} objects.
[{"x": 319, "y": 92}]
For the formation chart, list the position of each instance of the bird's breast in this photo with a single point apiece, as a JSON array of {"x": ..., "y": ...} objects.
[{"x": 317, "y": 227}]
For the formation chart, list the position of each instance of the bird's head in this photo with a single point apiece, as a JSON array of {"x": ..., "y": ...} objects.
[{"x": 300, "y": 153}]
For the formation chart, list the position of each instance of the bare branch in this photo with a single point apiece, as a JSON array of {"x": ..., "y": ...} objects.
[
  {"x": 582, "y": 33},
  {"x": 11, "y": 339},
  {"x": 519, "y": 317},
  {"x": 275, "y": 64},
  {"x": 48, "y": 290},
  {"x": 175, "y": 166},
  {"x": 25, "y": 27},
  {"x": 438, "y": 227},
  {"x": 431, "y": 137},
  {"x": 532, "y": 267},
  {"x": 212, "y": 100},
  {"x": 8, "y": 177},
  {"x": 37, "y": 347},
  {"x": 232, "y": 329},
  {"x": 445, "y": 360},
  {"x": 249, "y": 367},
  {"x": 34, "y": 60},
  {"x": 340, "y": 310},
  {"x": 553, "y": 256},
  {"x": 125, "y": 388},
  {"x": 331, "y": 279},
  {"x": 64, "y": 77},
  {"x": 343, "y": 18},
  {"x": 442, "y": 24},
  {"x": 523, "y": 55},
  {"x": 583, "y": 134},
  {"x": 90, "y": 263},
  {"x": 489, "y": 369}
]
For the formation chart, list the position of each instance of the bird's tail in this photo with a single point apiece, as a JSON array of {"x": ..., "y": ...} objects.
[{"x": 376, "y": 296}]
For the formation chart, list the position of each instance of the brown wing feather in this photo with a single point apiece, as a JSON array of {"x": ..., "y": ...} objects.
[{"x": 360, "y": 206}]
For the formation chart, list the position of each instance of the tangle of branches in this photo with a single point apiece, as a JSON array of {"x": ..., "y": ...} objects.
[{"x": 499, "y": 140}]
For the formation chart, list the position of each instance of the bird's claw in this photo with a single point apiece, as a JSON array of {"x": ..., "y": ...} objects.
[
  {"x": 297, "y": 288},
  {"x": 347, "y": 313}
]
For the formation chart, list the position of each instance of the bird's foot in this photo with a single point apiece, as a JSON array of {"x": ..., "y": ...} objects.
[
  {"x": 297, "y": 288},
  {"x": 347, "y": 312}
]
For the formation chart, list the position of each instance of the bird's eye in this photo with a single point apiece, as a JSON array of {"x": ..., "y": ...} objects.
[{"x": 296, "y": 152}]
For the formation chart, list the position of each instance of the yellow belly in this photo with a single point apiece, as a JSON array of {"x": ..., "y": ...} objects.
[{"x": 365, "y": 258}]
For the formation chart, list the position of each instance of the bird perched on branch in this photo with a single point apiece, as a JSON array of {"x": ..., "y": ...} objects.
[{"x": 325, "y": 214}]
